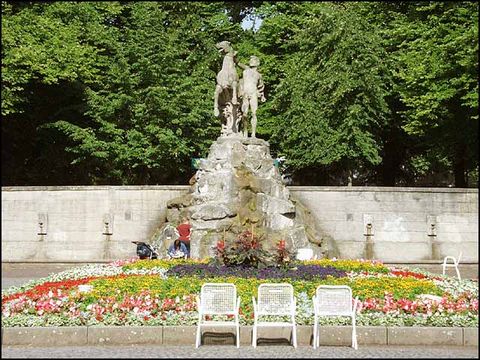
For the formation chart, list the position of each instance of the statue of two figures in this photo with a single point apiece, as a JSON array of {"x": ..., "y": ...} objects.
[{"x": 235, "y": 97}]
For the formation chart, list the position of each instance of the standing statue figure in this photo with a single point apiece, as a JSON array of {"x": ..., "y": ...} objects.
[
  {"x": 227, "y": 78},
  {"x": 251, "y": 87}
]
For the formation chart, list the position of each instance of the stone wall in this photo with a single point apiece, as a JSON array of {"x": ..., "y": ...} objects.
[
  {"x": 406, "y": 224},
  {"x": 98, "y": 223},
  {"x": 74, "y": 220}
]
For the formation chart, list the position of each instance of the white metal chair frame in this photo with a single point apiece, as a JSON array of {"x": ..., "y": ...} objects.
[
  {"x": 218, "y": 299},
  {"x": 275, "y": 299},
  {"x": 334, "y": 300},
  {"x": 454, "y": 264}
]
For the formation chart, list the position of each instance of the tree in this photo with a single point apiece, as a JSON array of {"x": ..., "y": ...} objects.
[
  {"x": 50, "y": 53},
  {"x": 122, "y": 92},
  {"x": 330, "y": 102},
  {"x": 143, "y": 75},
  {"x": 439, "y": 82},
  {"x": 432, "y": 50},
  {"x": 153, "y": 111}
]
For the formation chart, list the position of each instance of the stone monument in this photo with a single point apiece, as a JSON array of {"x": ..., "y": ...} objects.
[{"x": 238, "y": 187}]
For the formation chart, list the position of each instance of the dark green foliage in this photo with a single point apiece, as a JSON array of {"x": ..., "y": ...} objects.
[
  {"x": 332, "y": 96},
  {"x": 380, "y": 93},
  {"x": 433, "y": 91}
]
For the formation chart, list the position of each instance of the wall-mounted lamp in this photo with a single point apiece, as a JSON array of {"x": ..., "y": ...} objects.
[
  {"x": 42, "y": 224},
  {"x": 107, "y": 224},
  {"x": 431, "y": 225},
  {"x": 368, "y": 225}
]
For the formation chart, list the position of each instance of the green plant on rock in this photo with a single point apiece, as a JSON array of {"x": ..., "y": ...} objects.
[
  {"x": 246, "y": 250},
  {"x": 283, "y": 256}
]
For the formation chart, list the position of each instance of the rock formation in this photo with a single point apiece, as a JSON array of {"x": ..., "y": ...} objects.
[{"x": 239, "y": 188}]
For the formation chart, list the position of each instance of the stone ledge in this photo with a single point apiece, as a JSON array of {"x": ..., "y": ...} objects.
[
  {"x": 383, "y": 189},
  {"x": 45, "y": 336},
  {"x": 119, "y": 335},
  {"x": 185, "y": 335},
  {"x": 425, "y": 336},
  {"x": 293, "y": 188},
  {"x": 470, "y": 336},
  {"x": 96, "y": 187}
]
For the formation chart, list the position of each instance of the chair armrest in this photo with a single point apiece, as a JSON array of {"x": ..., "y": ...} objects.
[
  {"x": 314, "y": 301},
  {"x": 197, "y": 298},
  {"x": 238, "y": 304}
]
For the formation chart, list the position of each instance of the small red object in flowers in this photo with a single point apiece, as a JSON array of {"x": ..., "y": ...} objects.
[{"x": 406, "y": 273}]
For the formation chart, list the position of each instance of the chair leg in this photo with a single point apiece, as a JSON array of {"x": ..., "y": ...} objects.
[
  {"x": 294, "y": 336},
  {"x": 238, "y": 335},
  {"x": 254, "y": 336},
  {"x": 354, "y": 334},
  {"x": 458, "y": 272},
  {"x": 315, "y": 334},
  {"x": 197, "y": 341}
]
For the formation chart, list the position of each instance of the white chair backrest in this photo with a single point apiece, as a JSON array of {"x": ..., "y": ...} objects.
[
  {"x": 304, "y": 254},
  {"x": 276, "y": 299},
  {"x": 218, "y": 298},
  {"x": 334, "y": 300}
]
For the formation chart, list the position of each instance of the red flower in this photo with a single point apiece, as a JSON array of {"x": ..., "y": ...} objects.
[
  {"x": 55, "y": 286},
  {"x": 221, "y": 245},
  {"x": 406, "y": 273}
]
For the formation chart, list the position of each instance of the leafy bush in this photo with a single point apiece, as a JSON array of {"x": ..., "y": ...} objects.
[
  {"x": 247, "y": 249},
  {"x": 283, "y": 255}
]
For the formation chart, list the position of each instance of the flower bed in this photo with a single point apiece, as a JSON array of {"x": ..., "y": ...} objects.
[{"x": 162, "y": 292}]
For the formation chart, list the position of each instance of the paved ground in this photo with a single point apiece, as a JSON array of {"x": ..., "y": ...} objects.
[
  {"x": 276, "y": 352},
  {"x": 15, "y": 274}
]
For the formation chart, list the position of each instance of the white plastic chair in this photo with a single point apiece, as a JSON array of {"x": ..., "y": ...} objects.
[
  {"x": 305, "y": 254},
  {"x": 218, "y": 299},
  {"x": 334, "y": 300},
  {"x": 277, "y": 300},
  {"x": 454, "y": 264}
]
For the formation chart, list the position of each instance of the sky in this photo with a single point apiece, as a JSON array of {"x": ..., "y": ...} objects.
[{"x": 248, "y": 23}]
